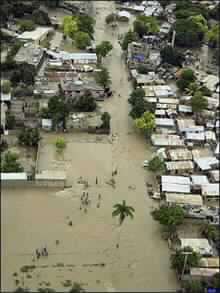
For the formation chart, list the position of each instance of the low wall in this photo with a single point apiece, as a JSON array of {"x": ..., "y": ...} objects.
[{"x": 34, "y": 183}]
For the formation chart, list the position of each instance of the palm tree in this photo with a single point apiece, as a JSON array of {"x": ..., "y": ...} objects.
[{"x": 123, "y": 211}]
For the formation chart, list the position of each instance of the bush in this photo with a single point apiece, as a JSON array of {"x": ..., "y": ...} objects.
[
  {"x": 41, "y": 17},
  {"x": 156, "y": 165},
  {"x": 198, "y": 102},
  {"x": 60, "y": 144},
  {"x": 186, "y": 78},
  {"x": 6, "y": 87},
  {"x": 29, "y": 137},
  {"x": 9, "y": 163},
  {"x": 142, "y": 69},
  {"x": 27, "y": 25}
]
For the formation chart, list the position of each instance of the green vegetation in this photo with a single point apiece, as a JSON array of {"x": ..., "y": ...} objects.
[
  {"x": 10, "y": 121},
  {"x": 41, "y": 17},
  {"x": 123, "y": 211},
  {"x": 189, "y": 31},
  {"x": 146, "y": 123},
  {"x": 128, "y": 38},
  {"x": 60, "y": 144},
  {"x": 146, "y": 25},
  {"x": 110, "y": 18},
  {"x": 209, "y": 231},
  {"x": 193, "y": 286},
  {"x": 70, "y": 26},
  {"x": 103, "y": 49},
  {"x": 27, "y": 25},
  {"x": 6, "y": 86},
  {"x": 103, "y": 77},
  {"x": 178, "y": 259},
  {"x": 10, "y": 164},
  {"x": 156, "y": 165},
  {"x": 106, "y": 117},
  {"x": 169, "y": 216},
  {"x": 171, "y": 56},
  {"x": 186, "y": 78},
  {"x": 29, "y": 137},
  {"x": 213, "y": 36},
  {"x": 82, "y": 40},
  {"x": 23, "y": 73},
  {"x": 198, "y": 102},
  {"x": 85, "y": 103},
  {"x": 76, "y": 288}
]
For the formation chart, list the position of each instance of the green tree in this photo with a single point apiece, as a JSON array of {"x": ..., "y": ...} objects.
[
  {"x": 60, "y": 144},
  {"x": 41, "y": 17},
  {"x": 169, "y": 217},
  {"x": 10, "y": 164},
  {"x": 156, "y": 165},
  {"x": 146, "y": 25},
  {"x": 23, "y": 73},
  {"x": 142, "y": 69},
  {"x": 188, "y": 33},
  {"x": 58, "y": 110},
  {"x": 70, "y": 26},
  {"x": 29, "y": 137},
  {"x": 85, "y": 24},
  {"x": 193, "y": 286},
  {"x": 27, "y": 25},
  {"x": 136, "y": 93},
  {"x": 122, "y": 211},
  {"x": 82, "y": 40},
  {"x": 178, "y": 259},
  {"x": 10, "y": 121},
  {"x": 110, "y": 18},
  {"x": 103, "y": 77},
  {"x": 198, "y": 102},
  {"x": 209, "y": 231},
  {"x": 186, "y": 78},
  {"x": 146, "y": 123},
  {"x": 103, "y": 49},
  {"x": 106, "y": 117},
  {"x": 76, "y": 288},
  {"x": 6, "y": 86},
  {"x": 201, "y": 22},
  {"x": 171, "y": 56},
  {"x": 213, "y": 36},
  {"x": 128, "y": 38},
  {"x": 86, "y": 102}
]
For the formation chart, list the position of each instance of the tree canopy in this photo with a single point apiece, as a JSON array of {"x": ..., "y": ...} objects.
[
  {"x": 123, "y": 211},
  {"x": 129, "y": 37},
  {"x": 103, "y": 48},
  {"x": 6, "y": 86},
  {"x": 187, "y": 76},
  {"x": 82, "y": 40},
  {"x": 156, "y": 164},
  {"x": 213, "y": 36},
  {"x": 10, "y": 164},
  {"x": 199, "y": 102},
  {"x": 146, "y": 123},
  {"x": 146, "y": 25},
  {"x": 27, "y": 25},
  {"x": 23, "y": 73},
  {"x": 29, "y": 136},
  {"x": 60, "y": 144},
  {"x": 106, "y": 118},
  {"x": 189, "y": 32},
  {"x": 171, "y": 56},
  {"x": 70, "y": 26},
  {"x": 178, "y": 259},
  {"x": 85, "y": 103},
  {"x": 103, "y": 77},
  {"x": 41, "y": 17}
]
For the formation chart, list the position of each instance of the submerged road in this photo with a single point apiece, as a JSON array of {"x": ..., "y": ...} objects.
[{"x": 151, "y": 268}]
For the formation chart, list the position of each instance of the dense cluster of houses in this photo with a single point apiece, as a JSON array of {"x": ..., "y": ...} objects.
[{"x": 188, "y": 146}]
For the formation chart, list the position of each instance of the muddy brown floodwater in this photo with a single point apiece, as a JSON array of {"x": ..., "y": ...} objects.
[{"x": 87, "y": 253}]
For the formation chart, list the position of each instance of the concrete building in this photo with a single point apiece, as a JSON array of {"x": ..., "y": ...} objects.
[
  {"x": 30, "y": 53},
  {"x": 36, "y": 36}
]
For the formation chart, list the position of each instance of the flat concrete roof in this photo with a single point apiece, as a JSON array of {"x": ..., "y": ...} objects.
[{"x": 35, "y": 34}]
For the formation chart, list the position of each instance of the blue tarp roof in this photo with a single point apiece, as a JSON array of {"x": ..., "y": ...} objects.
[{"x": 139, "y": 57}]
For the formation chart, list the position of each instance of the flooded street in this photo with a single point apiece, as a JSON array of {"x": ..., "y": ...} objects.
[{"x": 87, "y": 252}]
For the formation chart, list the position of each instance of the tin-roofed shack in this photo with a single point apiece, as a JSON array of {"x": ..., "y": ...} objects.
[
  {"x": 179, "y": 167},
  {"x": 200, "y": 245},
  {"x": 167, "y": 140},
  {"x": 194, "y": 200},
  {"x": 181, "y": 154},
  {"x": 31, "y": 54}
]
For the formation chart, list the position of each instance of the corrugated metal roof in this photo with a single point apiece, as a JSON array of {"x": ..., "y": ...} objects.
[
  {"x": 165, "y": 122},
  {"x": 200, "y": 245},
  {"x": 195, "y": 136},
  {"x": 211, "y": 189},
  {"x": 184, "y": 199},
  {"x": 175, "y": 179},
  {"x": 199, "y": 179},
  {"x": 179, "y": 165},
  {"x": 206, "y": 163},
  {"x": 177, "y": 188},
  {"x": 182, "y": 154}
]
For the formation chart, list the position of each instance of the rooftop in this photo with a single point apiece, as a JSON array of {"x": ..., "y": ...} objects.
[{"x": 35, "y": 34}]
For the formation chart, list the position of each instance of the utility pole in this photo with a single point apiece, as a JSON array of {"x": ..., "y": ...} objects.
[
  {"x": 185, "y": 261},
  {"x": 173, "y": 39}
]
